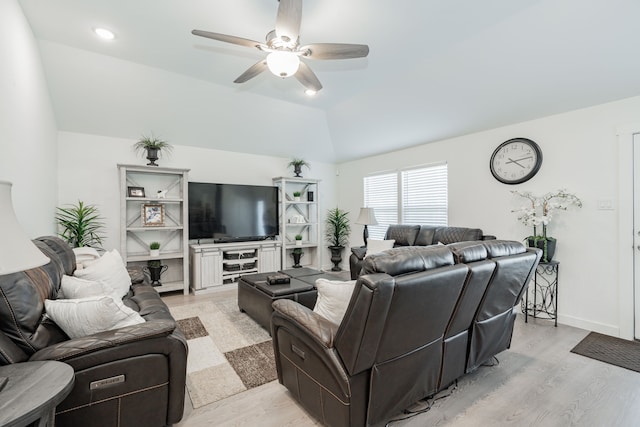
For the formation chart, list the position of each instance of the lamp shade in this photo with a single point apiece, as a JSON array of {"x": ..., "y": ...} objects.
[
  {"x": 367, "y": 217},
  {"x": 17, "y": 251},
  {"x": 283, "y": 63}
]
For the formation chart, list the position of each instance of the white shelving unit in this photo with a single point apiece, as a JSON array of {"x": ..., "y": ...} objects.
[
  {"x": 172, "y": 233},
  {"x": 217, "y": 264},
  {"x": 299, "y": 217}
]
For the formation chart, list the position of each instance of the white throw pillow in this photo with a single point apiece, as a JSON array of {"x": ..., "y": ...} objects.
[
  {"x": 110, "y": 270},
  {"x": 85, "y": 256},
  {"x": 75, "y": 287},
  {"x": 333, "y": 298},
  {"x": 376, "y": 246},
  {"x": 86, "y": 316}
]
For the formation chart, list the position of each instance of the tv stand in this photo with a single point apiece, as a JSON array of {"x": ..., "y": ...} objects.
[{"x": 217, "y": 264}]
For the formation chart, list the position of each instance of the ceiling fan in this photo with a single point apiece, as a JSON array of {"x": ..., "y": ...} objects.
[{"x": 283, "y": 46}]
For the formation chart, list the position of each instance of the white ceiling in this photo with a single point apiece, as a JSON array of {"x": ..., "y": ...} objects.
[{"x": 436, "y": 69}]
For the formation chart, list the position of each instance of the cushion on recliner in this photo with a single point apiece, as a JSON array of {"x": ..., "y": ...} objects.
[
  {"x": 448, "y": 235},
  {"x": 466, "y": 252},
  {"x": 404, "y": 235},
  {"x": 409, "y": 259},
  {"x": 426, "y": 235},
  {"x": 499, "y": 248}
]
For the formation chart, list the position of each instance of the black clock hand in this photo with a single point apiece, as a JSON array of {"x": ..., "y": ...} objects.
[{"x": 514, "y": 161}]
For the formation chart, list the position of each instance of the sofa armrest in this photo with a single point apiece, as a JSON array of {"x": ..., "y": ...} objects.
[
  {"x": 66, "y": 350},
  {"x": 317, "y": 327}
]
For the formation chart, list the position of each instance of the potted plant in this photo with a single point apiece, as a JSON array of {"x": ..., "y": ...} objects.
[
  {"x": 154, "y": 249},
  {"x": 296, "y": 196},
  {"x": 298, "y": 239},
  {"x": 152, "y": 147},
  {"x": 297, "y": 165},
  {"x": 154, "y": 271},
  {"x": 81, "y": 225},
  {"x": 296, "y": 253},
  {"x": 539, "y": 212},
  {"x": 337, "y": 232}
]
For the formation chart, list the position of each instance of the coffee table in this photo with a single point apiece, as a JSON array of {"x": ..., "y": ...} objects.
[{"x": 255, "y": 294}]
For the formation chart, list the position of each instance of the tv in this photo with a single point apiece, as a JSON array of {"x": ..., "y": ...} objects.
[{"x": 232, "y": 213}]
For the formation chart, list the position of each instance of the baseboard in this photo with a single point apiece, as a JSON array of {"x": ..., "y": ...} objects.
[{"x": 576, "y": 322}]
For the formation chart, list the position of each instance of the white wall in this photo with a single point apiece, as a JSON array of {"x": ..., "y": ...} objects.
[
  {"x": 580, "y": 154},
  {"x": 28, "y": 132},
  {"x": 88, "y": 172}
]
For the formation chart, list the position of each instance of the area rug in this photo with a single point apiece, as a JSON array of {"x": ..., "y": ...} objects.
[
  {"x": 612, "y": 350},
  {"x": 228, "y": 352}
]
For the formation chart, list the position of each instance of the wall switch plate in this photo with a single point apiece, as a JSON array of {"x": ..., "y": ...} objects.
[{"x": 605, "y": 205}]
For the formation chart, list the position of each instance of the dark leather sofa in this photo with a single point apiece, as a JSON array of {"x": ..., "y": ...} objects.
[
  {"x": 417, "y": 235},
  {"x": 152, "y": 356},
  {"x": 419, "y": 318}
]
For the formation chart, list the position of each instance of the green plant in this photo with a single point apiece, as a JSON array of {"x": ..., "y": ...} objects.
[
  {"x": 296, "y": 194},
  {"x": 297, "y": 251},
  {"x": 151, "y": 142},
  {"x": 154, "y": 264},
  {"x": 154, "y": 245},
  {"x": 81, "y": 225},
  {"x": 337, "y": 227},
  {"x": 298, "y": 163},
  {"x": 298, "y": 236}
]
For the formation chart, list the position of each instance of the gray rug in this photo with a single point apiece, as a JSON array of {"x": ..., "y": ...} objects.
[
  {"x": 612, "y": 350},
  {"x": 228, "y": 352}
]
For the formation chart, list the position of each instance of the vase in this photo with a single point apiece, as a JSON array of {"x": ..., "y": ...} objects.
[
  {"x": 152, "y": 156},
  {"x": 154, "y": 273},
  {"x": 298, "y": 242},
  {"x": 296, "y": 198},
  {"x": 297, "y": 169},
  {"x": 336, "y": 257},
  {"x": 541, "y": 242},
  {"x": 296, "y": 259},
  {"x": 154, "y": 252}
]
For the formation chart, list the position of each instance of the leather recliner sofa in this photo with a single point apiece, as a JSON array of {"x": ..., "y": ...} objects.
[
  {"x": 418, "y": 319},
  {"x": 152, "y": 355},
  {"x": 417, "y": 235}
]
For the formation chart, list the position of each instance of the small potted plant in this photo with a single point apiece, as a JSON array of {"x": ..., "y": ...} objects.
[
  {"x": 154, "y": 249},
  {"x": 152, "y": 147},
  {"x": 298, "y": 239},
  {"x": 297, "y": 165},
  {"x": 296, "y": 196}
]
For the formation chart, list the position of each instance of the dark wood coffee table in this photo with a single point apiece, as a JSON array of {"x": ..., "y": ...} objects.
[{"x": 32, "y": 392}]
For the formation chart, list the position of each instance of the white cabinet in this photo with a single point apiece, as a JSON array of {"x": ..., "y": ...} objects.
[
  {"x": 154, "y": 208},
  {"x": 217, "y": 264},
  {"x": 299, "y": 215}
]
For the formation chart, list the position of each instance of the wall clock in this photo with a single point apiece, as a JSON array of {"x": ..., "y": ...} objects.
[{"x": 516, "y": 161}]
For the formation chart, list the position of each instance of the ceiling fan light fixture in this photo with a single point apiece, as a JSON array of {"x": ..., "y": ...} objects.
[
  {"x": 104, "y": 34},
  {"x": 282, "y": 63},
  {"x": 310, "y": 92}
]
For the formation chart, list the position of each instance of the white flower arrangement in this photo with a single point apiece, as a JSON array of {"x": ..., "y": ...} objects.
[{"x": 541, "y": 208}]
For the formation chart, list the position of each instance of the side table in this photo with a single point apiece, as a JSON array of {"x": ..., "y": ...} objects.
[
  {"x": 545, "y": 293},
  {"x": 32, "y": 392}
]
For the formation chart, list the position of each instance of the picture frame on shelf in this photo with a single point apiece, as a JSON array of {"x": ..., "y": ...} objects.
[
  {"x": 135, "y": 191},
  {"x": 153, "y": 215}
]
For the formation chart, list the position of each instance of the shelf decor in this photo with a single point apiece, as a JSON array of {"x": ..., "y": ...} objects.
[{"x": 152, "y": 215}]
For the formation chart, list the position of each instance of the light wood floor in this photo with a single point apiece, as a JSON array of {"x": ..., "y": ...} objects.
[{"x": 538, "y": 382}]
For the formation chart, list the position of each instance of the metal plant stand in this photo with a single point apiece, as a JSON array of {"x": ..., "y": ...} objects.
[{"x": 545, "y": 293}]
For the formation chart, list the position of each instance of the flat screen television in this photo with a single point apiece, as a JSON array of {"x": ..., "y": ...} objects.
[{"x": 232, "y": 213}]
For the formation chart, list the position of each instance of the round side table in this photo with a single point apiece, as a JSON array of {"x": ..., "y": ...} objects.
[{"x": 32, "y": 392}]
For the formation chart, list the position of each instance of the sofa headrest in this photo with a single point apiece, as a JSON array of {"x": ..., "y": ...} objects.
[
  {"x": 409, "y": 259},
  {"x": 404, "y": 235},
  {"x": 448, "y": 235},
  {"x": 499, "y": 248},
  {"x": 426, "y": 235},
  {"x": 465, "y": 252}
]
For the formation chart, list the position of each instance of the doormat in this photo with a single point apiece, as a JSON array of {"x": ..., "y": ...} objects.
[
  {"x": 611, "y": 350},
  {"x": 228, "y": 352}
]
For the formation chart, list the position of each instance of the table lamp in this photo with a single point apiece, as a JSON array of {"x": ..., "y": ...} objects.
[
  {"x": 367, "y": 217},
  {"x": 17, "y": 251}
]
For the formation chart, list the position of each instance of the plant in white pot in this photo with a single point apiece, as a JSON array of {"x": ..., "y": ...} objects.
[
  {"x": 154, "y": 249},
  {"x": 298, "y": 239},
  {"x": 296, "y": 196},
  {"x": 538, "y": 214}
]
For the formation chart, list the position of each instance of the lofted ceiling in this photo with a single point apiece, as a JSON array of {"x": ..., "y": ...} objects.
[{"x": 436, "y": 69}]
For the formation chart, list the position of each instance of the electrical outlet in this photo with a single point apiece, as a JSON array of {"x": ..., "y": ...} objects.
[{"x": 605, "y": 205}]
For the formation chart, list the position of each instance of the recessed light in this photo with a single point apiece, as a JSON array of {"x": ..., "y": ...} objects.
[
  {"x": 310, "y": 92},
  {"x": 103, "y": 33}
]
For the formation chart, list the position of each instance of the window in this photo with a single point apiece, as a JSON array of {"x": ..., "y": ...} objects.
[{"x": 408, "y": 196}]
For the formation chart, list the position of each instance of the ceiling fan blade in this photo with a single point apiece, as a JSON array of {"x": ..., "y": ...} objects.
[
  {"x": 307, "y": 77},
  {"x": 252, "y": 71},
  {"x": 335, "y": 50},
  {"x": 288, "y": 19},
  {"x": 228, "y": 39}
]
